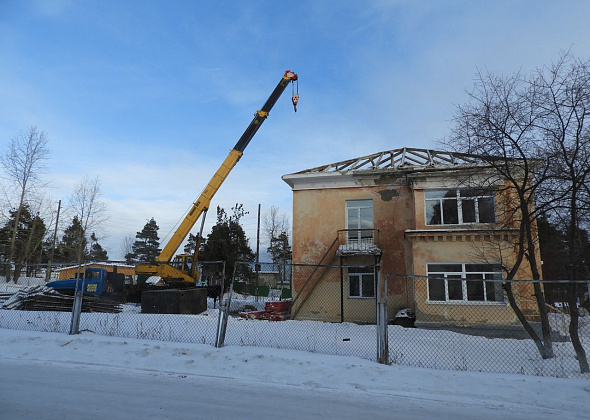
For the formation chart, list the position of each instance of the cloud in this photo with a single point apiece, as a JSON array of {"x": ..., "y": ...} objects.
[
  {"x": 152, "y": 99},
  {"x": 51, "y": 9}
]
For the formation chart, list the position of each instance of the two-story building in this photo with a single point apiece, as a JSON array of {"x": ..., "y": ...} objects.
[{"x": 435, "y": 223}]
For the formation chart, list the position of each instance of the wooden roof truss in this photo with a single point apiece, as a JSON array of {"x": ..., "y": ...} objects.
[{"x": 398, "y": 159}]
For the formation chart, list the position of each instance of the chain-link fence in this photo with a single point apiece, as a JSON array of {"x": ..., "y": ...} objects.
[
  {"x": 315, "y": 319},
  {"x": 470, "y": 324},
  {"x": 442, "y": 321},
  {"x": 116, "y": 308}
]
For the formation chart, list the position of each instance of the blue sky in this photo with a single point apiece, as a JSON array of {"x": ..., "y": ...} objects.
[{"x": 151, "y": 95}]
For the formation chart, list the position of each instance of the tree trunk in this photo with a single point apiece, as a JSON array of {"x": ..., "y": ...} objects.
[
  {"x": 527, "y": 326},
  {"x": 539, "y": 295},
  {"x": 574, "y": 328},
  {"x": 14, "y": 234}
]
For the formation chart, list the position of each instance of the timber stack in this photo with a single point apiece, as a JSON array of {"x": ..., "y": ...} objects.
[{"x": 42, "y": 298}]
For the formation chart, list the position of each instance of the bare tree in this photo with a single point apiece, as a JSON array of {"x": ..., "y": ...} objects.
[
  {"x": 276, "y": 229},
  {"x": 127, "y": 248},
  {"x": 564, "y": 106},
  {"x": 536, "y": 127},
  {"x": 87, "y": 206},
  {"x": 24, "y": 165},
  {"x": 499, "y": 123},
  {"x": 274, "y": 222}
]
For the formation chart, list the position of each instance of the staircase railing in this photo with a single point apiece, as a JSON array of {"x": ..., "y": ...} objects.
[{"x": 295, "y": 309}]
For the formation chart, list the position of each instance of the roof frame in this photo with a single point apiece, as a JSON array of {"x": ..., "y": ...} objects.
[{"x": 406, "y": 157}]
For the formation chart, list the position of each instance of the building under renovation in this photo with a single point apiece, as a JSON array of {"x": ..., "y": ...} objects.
[{"x": 435, "y": 223}]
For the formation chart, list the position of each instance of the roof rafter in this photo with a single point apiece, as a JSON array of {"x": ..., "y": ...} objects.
[{"x": 400, "y": 158}]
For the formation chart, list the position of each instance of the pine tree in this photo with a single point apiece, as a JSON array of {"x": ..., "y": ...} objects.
[
  {"x": 28, "y": 245},
  {"x": 191, "y": 243},
  {"x": 73, "y": 240},
  {"x": 228, "y": 242},
  {"x": 279, "y": 249},
  {"x": 146, "y": 245},
  {"x": 280, "y": 252},
  {"x": 97, "y": 252}
]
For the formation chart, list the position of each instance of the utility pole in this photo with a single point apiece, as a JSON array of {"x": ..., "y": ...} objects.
[
  {"x": 48, "y": 271},
  {"x": 257, "y": 253}
]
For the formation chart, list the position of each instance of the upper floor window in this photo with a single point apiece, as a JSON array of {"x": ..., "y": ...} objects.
[
  {"x": 458, "y": 207},
  {"x": 359, "y": 220}
]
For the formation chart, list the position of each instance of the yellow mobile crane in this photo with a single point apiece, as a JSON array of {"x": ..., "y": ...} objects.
[{"x": 183, "y": 269}]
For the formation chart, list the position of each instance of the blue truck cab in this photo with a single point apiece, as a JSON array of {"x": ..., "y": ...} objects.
[{"x": 95, "y": 282}]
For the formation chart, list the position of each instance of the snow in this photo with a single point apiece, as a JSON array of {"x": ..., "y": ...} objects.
[
  {"x": 307, "y": 354},
  {"x": 348, "y": 376}
]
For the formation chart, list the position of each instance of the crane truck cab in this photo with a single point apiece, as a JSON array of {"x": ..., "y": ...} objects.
[{"x": 94, "y": 281}]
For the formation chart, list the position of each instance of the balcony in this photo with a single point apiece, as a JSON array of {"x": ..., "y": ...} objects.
[{"x": 358, "y": 242}]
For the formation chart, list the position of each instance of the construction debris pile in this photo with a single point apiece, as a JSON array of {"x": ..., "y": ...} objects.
[
  {"x": 42, "y": 298},
  {"x": 273, "y": 311}
]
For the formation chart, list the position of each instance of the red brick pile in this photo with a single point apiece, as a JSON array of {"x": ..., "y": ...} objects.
[{"x": 273, "y": 311}]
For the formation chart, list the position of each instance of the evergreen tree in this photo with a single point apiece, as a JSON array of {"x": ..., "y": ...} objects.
[
  {"x": 280, "y": 252},
  {"x": 146, "y": 245},
  {"x": 97, "y": 252},
  {"x": 28, "y": 245},
  {"x": 228, "y": 242},
  {"x": 279, "y": 249},
  {"x": 73, "y": 240},
  {"x": 191, "y": 244}
]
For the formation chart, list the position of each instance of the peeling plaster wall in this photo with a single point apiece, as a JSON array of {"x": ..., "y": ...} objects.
[
  {"x": 319, "y": 206},
  {"x": 318, "y": 214}
]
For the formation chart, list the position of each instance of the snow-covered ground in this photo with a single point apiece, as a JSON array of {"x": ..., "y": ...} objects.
[
  {"x": 308, "y": 355},
  {"x": 407, "y": 346},
  {"x": 60, "y": 357}
]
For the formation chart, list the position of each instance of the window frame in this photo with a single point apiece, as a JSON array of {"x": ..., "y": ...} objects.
[
  {"x": 362, "y": 271},
  {"x": 489, "y": 279},
  {"x": 458, "y": 201},
  {"x": 361, "y": 204}
]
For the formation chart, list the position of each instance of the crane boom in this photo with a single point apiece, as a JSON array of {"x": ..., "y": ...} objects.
[{"x": 162, "y": 265}]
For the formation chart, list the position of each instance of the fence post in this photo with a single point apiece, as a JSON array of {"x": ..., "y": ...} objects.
[
  {"x": 77, "y": 307},
  {"x": 382, "y": 340},
  {"x": 224, "y": 314}
]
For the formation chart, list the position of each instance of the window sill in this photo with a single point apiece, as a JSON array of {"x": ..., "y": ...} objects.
[
  {"x": 466, "y": 303},
  {"x": 464, "y": 225}
]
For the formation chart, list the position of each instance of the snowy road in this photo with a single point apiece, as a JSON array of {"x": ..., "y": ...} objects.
[
  {"x": 87, "y": 376},
  {"x": 41, "y": 390}
]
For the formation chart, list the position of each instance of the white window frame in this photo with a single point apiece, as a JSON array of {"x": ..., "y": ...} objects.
[
  {"x": 359, "y": 205},
  {"x": 459, "y": 199},
  {"x": 488, "y": 277},
  {"x": 368, "y": 271}
]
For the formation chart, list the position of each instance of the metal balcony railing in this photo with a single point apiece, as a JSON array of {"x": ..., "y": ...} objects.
[{"x": 358, "y": 241}]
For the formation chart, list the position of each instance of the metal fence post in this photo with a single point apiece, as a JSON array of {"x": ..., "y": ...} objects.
[
  {"x": 224, "y": 314},
  {"x": 77, "y": 307},
  {"x": 382, "y": 339}
]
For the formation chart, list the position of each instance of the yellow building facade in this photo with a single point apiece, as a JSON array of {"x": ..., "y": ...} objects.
[{"x": 433, "y": 224}]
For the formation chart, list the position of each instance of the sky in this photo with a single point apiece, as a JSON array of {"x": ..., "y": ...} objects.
[
  {"x": 94, "y": 374},
  {"x": 150, "y": 96}
]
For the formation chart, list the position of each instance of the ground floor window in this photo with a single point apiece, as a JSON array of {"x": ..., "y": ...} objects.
[
  {"x": 465, "y": 283},
  {"x": 361, "y": 282}
]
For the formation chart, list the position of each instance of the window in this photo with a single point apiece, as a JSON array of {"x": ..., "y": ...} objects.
[
  {"x": 361, "y": 282},
  {"x": 458, "y": 207},
  {"x": 465, "y": 283},
  {"x": 359, "y": 221}
]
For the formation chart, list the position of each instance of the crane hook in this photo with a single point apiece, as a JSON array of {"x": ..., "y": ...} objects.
[
  {"x": 295, "y": 97},
  {"x": 295, "y": 100}
]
